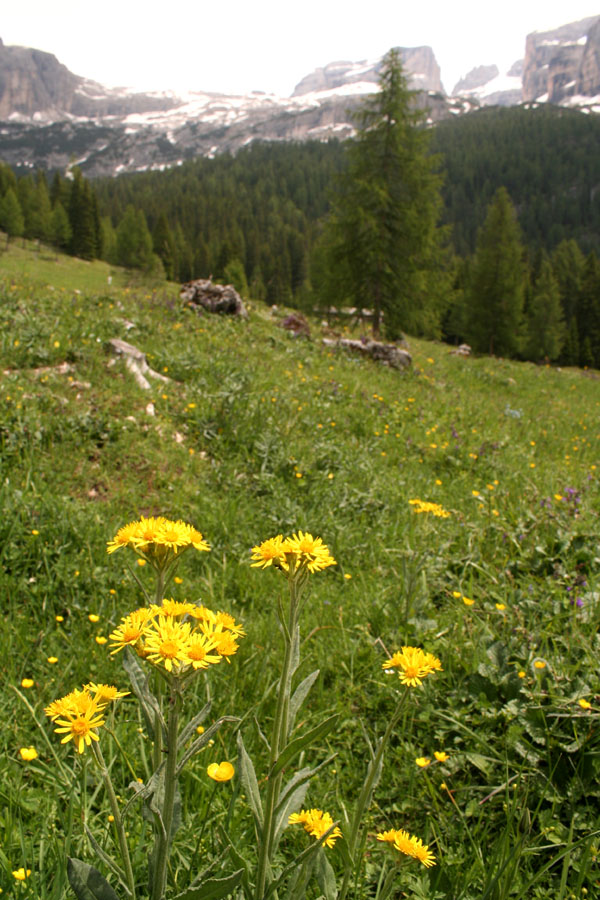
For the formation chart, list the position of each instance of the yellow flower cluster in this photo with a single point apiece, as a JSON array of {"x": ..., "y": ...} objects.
[
  {"x": 178, "y": 635},
  {"x": 80, "y": 713},
  {"x": 301, "y": 551},
  {"x": 414, "y": 664},
  {"x": 157, "y": 538},
  {"x": 316, "y": 822},
  {"x": 424, "y": 506},
  {"x": 406, "y": 843}
]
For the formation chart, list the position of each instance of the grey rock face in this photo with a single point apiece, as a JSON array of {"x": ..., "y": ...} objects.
[
  {"x": 35, "y": 83},
  {"x": 477, "y": 77},
  {"x": 554, "y": 61},
  {"x": 419, "y": 62}
]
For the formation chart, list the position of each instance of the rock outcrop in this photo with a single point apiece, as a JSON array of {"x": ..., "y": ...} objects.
[
  {"x": 562, "y": 63},
  {"x": 419, "y": 62},
  {"x": 35, "y": 84},
  {"x": 217, "y": 298}
]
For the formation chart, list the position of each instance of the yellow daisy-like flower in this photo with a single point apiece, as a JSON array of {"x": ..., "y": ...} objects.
[
  {"x": 28, "y": 754},
  {"x": 414, "y": 665},
  {"x": 132, "y": 629},
  {"x": 423, "y": 761},
  {"x": 425, "y": 506},
  {"x": 411, "y": 846},
  {"x": 198, "y": 654},
  {"x": 227, "y": 621},
  {"x": 175, "y": 608},
  {"x": 77, "y": 702},
  {"x": 225, "y": 644},
  {"x": 173, "y": 535},
  {"x": 105, "y": 693},
  {"x": 440, "y": 755},
  {"x": 316, "y": 823},
  {"x": 269, "y": 553},
  {"x": 166, "y": 643},
  {"x": 81, "y": 727},
  {"x": 220, "y": 771},
  {"x": 27, "y": 683},
  {"x": 584, "y": 704},
  {"x": 158, "y": 538},
  {"x": 123, "y": 537},
  {"x": 308, "y": 551}
]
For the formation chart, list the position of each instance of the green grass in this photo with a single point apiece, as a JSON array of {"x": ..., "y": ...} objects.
[{"x": 258, "y": 433}]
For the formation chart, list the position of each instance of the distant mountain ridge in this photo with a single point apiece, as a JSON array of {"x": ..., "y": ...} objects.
[{"x": 51, "y": 118}]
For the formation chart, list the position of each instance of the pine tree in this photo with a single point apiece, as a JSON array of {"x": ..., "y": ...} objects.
[
  {"x": 164, "y": 245},
  {"x": 382, "y": 238},
  {"x": 134, "y": 242},
  {"x": 12, "y": 220},
  {"x": 588, "y": 318},
  {"x": 545, "y": 321},
  {"x": 496, "y": 283},
  {"x": 84, "y": 241},
  {"x": 60, "y": 229}
]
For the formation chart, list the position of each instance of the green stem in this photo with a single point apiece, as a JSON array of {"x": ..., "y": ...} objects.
[
  {"x": 112, "y": 799},
  {"x": 366, "y": 795},
  {"x": 164, "y": 837},
  {"x": 279, "y": 738}
]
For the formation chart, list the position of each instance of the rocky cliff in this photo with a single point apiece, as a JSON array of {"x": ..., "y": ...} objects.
[
  {"x": 563, "y": 63},
  {"x": 35, "y": 85},
  {"x": 419, "y": 62}
]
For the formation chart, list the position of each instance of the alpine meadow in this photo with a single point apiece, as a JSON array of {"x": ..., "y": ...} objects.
[{"x": 281, "y": 621}]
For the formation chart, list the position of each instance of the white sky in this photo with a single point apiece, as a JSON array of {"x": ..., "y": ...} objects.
[{"x": 237, "y": 46}]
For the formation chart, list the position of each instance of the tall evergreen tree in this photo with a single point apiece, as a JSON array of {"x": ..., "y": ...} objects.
[
  {"x": 588, "y": 319},
  {"x": 164, "y": 245},
  {"x": 12, "y": 220},
  {"x": 545, "y": 320},
  {"x": 84, "y": 241},
  {"x": 60, "y": 229},
  {"x": 134, "y": 242},
  {"x": 382, "y": 238},
  {"x": 496, "y": 282}
]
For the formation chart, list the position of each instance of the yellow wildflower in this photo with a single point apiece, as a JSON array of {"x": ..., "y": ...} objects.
[
  {"x": 316, "y": 823},
  {"x": 414, "y": 665},
  {"x": 423, "y": 761},
  {"x": 220, "y": 771},
  {"x": 28, "y": 753},
  {"x": 411, "y": 846}
]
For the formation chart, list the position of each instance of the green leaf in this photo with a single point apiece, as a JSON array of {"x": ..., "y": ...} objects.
[
  {"x": 87, "y": 882},
  {"x": 191, "y": 726},
  {"x": 325, "y": 876},
  {"x": 202, "y": 740},
  {"x": 299, "y": 743},
  {"x": 101, "y": 854},
  {"x": 292, "y": 796},
  {"x": 213, "y": 889},
  {"x": 300, "y": 694},
  {"x": 148, "y": 702},
  {"x": 250, "y": 784}
]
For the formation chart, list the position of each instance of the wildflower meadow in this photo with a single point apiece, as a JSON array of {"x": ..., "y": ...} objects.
[{"x": 289, "y": 623}]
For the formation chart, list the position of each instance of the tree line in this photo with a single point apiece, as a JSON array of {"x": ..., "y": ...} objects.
[{"x": 309, "y": 224}]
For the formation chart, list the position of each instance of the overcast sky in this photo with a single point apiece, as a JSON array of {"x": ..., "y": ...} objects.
[{"x": 237, "y": 46}]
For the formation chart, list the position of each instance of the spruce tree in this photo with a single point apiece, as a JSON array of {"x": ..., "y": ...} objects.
[
  {"x": 60, "y": 229},
  {"x": 134, "y": 242},
  {"x": 382, "y": 240},
  {"x": 588, "y": 318},
  {"x": 545, "y": 321},
  {"x": 12, "y": 220},
  {"x": 496, "y": 283}
]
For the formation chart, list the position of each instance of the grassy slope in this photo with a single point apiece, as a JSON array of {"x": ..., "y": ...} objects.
[{"x": 258, "y": 433}]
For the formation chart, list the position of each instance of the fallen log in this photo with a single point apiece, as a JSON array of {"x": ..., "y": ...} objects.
[
  {"x": 388, "y": 354},
  {"x": 136, "y": 362}
]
